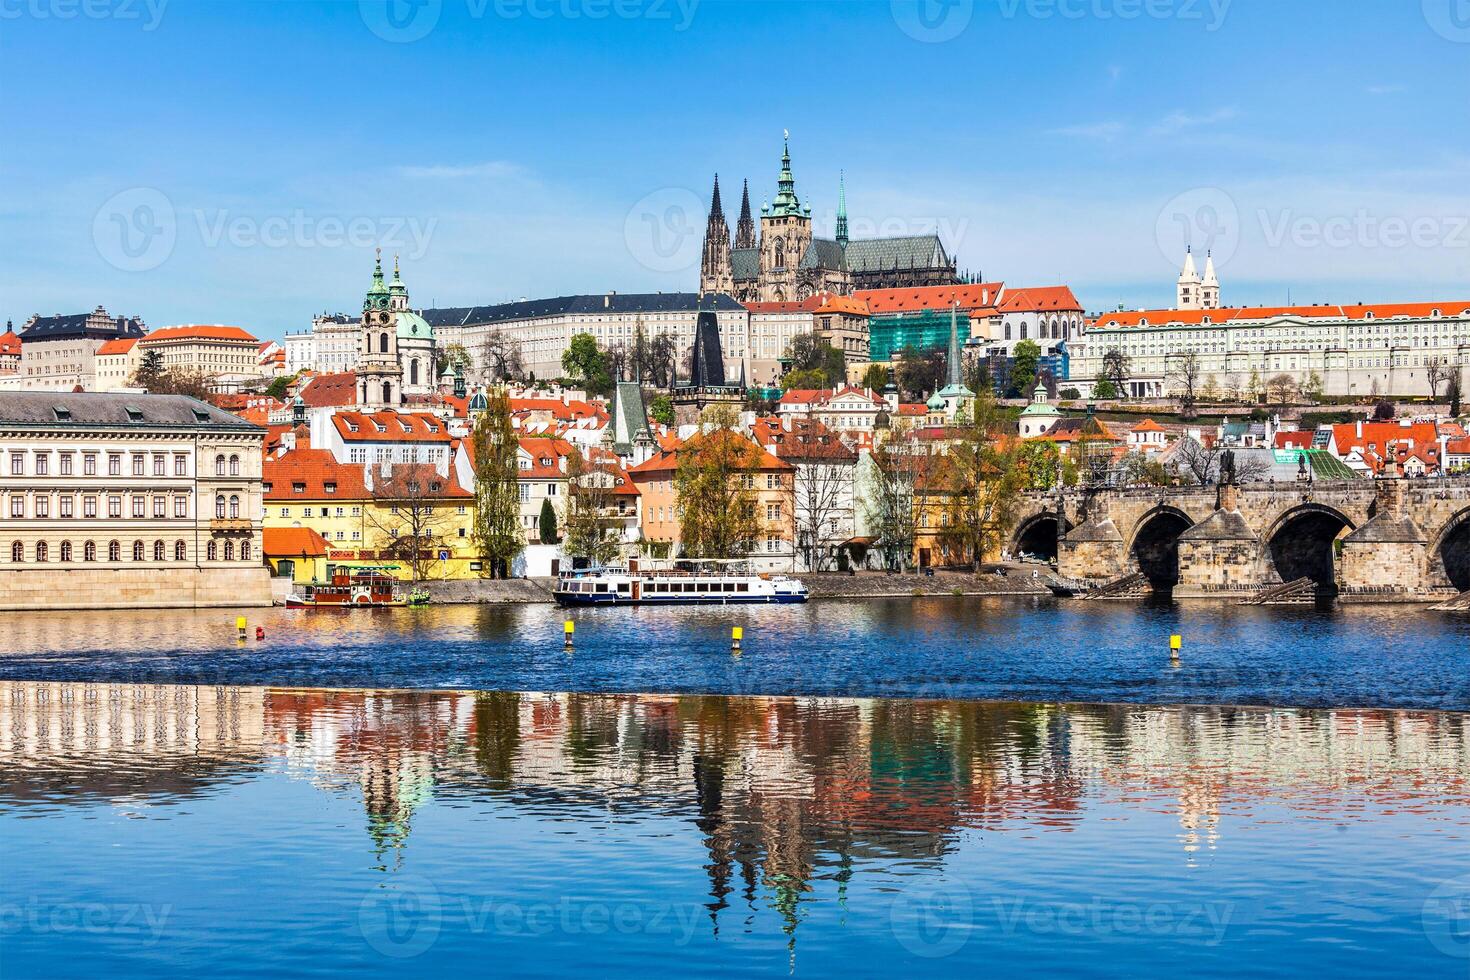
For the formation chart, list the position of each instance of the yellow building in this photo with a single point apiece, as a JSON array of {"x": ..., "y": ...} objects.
[{"x": 408, "y": 517}]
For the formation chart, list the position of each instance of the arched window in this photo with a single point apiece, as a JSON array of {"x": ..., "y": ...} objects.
[
  {"x": 114, "y": 551},
  {"x": 219, "y": 505},
  {"x": 181, "y": 551},
  {"x": 17, "y": 552},
  {"x": 1008, "y": 330},
  {"x": 244, "y": 550},
  {"x": 212, "y": 552},
  {"x": 89, "y": 551},
  {"x": 387, "y": 393},
  {"x": 137, "y": 551},
  {"x": 234, "y": 466},
  {"x": 234, "y": 506},
  {"x": 219, "y": 466},
  {"x": 413, "y": 371},
  {"x": 158, "y": 551},
  {"x": 383, "y": 344},
  {"x": 66, "y": 551},
  {"x": 1023, "y": 329},
  {"x": 41, "y": 551},
  {"x": 229, "y": 550}
]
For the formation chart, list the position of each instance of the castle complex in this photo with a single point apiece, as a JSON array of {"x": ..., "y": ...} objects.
[{"x": 788, "y": 264}]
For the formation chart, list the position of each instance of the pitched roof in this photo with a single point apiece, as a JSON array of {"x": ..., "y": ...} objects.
[
  {"x": 1242, "y": 314},
  {"x": 198, "y": 332},
  {"x": 801, "y": 438},
  {"x": 330, "y": 390},
  {"x": 667, "y": 460},
  {"x": 75, "y": 325},
  {"x": 390, "y": 427},
  {"x": 902, "y": 252},
  {"x": 1378, "y": 435},
  {"x": 289, "y": 542},
  {"x": 93, "y": 408},
  {"x": 1039, "y": 299},
  {"x": 119, "y": 346},
  {"x": 10, "y": 343},
  {"x": 916, "y": 298},
  {"x": 546, "y": 455},
  {"x": 314, "y": 470},
  {"x": 1149, "y": 425}
]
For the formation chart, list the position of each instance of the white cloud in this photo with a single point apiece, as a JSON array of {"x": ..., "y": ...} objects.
[
  {"x": 1176, "y": 122},
  {"x": 490, "y": 168}
]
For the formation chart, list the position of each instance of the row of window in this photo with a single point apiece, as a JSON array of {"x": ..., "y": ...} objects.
[
  {"x": 66, "y": 464},
  {"x": 42, "y": 551},
  {"x": 66, "y": 506}
]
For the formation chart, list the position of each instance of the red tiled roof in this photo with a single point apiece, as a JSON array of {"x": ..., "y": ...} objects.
[
  {"x": 668, "y": 460},
  {"x": 569, "y": 411},
  {"x": 198, "y": 332},
  {"x": 313, "y": 469},
  {"x": 330, "y": 390},
  {"x": 1149, "y": 425},
  {"x": 546, "y": 455},
  {"x": 1382, "y": 311},
  {"x": 823, "y": 302},
  {"x": 800, "y": 437},
  {"x": 120, "y": 346},
  {"x": 1039, "y": 299},
  {"x": 1293, "y": 440},
  {"x": 929, "y": 297},
  {"x": 290, "y": 542},
  {"x": 912, "y": 408},
  {"x": 804, "y": 396},
  {"x": 1380, "y": 434},
  {"x": 390, "y": 427}
]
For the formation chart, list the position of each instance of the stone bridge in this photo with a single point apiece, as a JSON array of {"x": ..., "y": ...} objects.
[{"x": 1361, "y": 540}]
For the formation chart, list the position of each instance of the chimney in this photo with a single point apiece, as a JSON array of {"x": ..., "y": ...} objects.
[{"x": 1360, "y": 428}]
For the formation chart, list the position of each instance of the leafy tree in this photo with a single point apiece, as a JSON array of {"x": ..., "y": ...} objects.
[
  {"x": 1383, "y": 411},
  {"x": 920, "y": 374},
  {"x": 546, "y": 523},
  {"x": 583, "y": 361},
  {"x": 1313, "y": 387},
  {"x": 1024, "y": 362},
  {"x": 1452, "y": 394},
  {"x": 1103, "y": 388},
  {"x": 1040, "y": 464},
  {"x": 806, "y": 379},
  {"x": 979, "y": 483},
  {"x": 810, "y": 353},
  {"x": 279, "y": 386},
  {"x": 497, "y": 521},
  {"x": 661, "y": 410},
  {"x": 714, "y": 484},
  {"x": 1253, "y": 388},
  {"x": 1070, "y": 394},
  {"x": 875, "y": 377},
  {"x": 1139, "y": 470}
]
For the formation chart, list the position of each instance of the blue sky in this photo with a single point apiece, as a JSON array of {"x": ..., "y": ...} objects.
[{"x": 224, "y": 162}]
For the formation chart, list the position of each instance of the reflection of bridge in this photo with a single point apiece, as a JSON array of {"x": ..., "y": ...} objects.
[{"x": 1364, "y": 540}]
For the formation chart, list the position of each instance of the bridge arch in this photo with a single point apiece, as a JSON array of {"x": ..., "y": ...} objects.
[
  {"x": 1450, "y": 550},
  {"x": 1039, "y": 534},
  {"x": 1302, "y": 543},
  {"x": 1154, "y": 545}
]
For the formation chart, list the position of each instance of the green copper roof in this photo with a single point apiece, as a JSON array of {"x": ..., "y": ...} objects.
[
  {"x": 397, "y": 288},
  {"x": 411, "y": 325},
  {"x": 786, "y": 203}
]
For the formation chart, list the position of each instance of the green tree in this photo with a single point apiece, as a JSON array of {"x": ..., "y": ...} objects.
[
  {"x": 805, "y": 379},
  {"x": 497, "y": 521},
  {"x": 150, "y": 372},
  {"x": 875, "y": 377},
  {"x": 661, "y": 410},
  {"x": 1103, "y": 388},
  {"x": 1452, "y": 394},
  {"x": 979, "y": 483},
  {"x": 277, "y": 388},
  {"x": 546, "y": 523},
  {"x": 920, "y": 374},
  {"x": 1040, "y": 463},
  {"x": 1253, "y": 387},
  {"x": 1025, "y": 361},
  {"x": 583, "y": 361},
  {"x": 590, "y": 517},
  {"x": 714, "y": 484}
]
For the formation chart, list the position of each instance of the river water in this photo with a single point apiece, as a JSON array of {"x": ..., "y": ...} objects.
[{"x": 174, "y": 802}]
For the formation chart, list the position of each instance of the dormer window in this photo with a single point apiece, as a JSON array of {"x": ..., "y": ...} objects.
[
  {"x": 298, "y": 488},
  {"x": 330, "y": 487},
  {"x": 351, "y": 426},
  {"x": 379, "y": 426},
  {"x": 134, "y": 414}
]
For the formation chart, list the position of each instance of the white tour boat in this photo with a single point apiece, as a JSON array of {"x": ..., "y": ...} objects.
[{"x": 697, "y": 583}]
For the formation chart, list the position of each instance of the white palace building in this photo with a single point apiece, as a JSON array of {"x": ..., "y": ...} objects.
[{"x": 1354, "y": 351}]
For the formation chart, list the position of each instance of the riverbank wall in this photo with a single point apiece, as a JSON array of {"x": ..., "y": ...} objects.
[{"x": 156, "y": 587}]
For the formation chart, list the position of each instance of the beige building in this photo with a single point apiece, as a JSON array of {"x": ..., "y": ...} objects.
[
  {"x": 116, "y": 500},
  {"x": 228, "y": 355},
  {"x": 59, "y": 353},
  {"x": 116, "y": 361}
]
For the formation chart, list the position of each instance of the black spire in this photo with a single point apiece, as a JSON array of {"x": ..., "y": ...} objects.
[
  {"x": 716, "y": 209},
  {"x": 745, "y": 228}
]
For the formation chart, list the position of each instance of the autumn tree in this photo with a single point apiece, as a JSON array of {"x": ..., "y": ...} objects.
[
  {"x": 714, "y": 485},
  {"x": 979, "y": 482},
  {"x": 497, "y": 523},
  {"x": 589, "y": 515}
]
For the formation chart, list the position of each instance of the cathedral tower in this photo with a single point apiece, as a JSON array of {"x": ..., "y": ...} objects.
[
  {"x": 745, "y": 230},
  {"x": 1187, "y": 290},
  {"x": 841, "y": 234},
  {"x": 379, "y": 375},
  {"x": 715, "y": 274},
  {"x": 1209, "y": 290},
  {"x": 786, "y": 234}
]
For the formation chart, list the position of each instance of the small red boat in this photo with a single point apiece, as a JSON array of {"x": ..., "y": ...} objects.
[{"x": 353, "y": 588}]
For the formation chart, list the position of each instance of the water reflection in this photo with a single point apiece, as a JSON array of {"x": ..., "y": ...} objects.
[{"x": 780, "y": 791}]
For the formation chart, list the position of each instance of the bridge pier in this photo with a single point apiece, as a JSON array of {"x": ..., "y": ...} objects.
[
  {"x": 1386, "y": 559},
  {"x": 1221, "y": 554},
  {"x": 1093, "y": 550}
]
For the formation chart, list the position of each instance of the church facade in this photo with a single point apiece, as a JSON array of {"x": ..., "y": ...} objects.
[
  {"x": 396, "y": 354},
  {"x": 788, "y": 264}
]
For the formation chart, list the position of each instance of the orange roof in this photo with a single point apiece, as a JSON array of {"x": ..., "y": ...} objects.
[
  {"x": 330, "y": 390},
  {"x": 289, "y": 542},
  {"x": 120, "y": 346},
  {"x": 804, "y": 396},
  {"x": 1036, "y": 299},
  {"x": 800, "y": 437},
  {"x": 1382, "y": 311},
  {"x": 912, "y": 408},
  {"x": 198, "y": 332},
  {"x": 390, "y": 427},
  {"x": 667, "y": 460},
  {"x": 1378, "y": 435},
  {"x": 823, "y": 302},
  {"x": 917, "y": 298},
  {"x": 1149, "y": 425},
  {"x": 546, "y": 455},
  {"x": 313, "y": 470}
]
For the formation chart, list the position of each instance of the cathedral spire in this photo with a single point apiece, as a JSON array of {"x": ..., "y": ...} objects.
[
  {"x": 745, "y": 229},
  {"x": 956, "y": 373},
  {"x": 841, "y": 209},
  {"x": 715, "y": 263},
  {"x": 716, "y": 209},
  {"x": 786, "y": 203}
]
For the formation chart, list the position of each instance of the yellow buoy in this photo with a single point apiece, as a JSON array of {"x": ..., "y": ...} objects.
[{"x": 1176, "y": 643}]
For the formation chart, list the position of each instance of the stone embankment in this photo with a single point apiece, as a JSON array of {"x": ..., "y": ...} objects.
[{"x": 486, "y": 591}]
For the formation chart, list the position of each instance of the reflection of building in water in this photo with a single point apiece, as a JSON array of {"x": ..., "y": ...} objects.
[{"x": 786, "y": 794}]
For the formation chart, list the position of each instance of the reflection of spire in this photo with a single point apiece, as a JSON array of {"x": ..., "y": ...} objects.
[{"x": 709, "y": 780}]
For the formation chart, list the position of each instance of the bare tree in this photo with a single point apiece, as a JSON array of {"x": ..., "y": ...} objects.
[
  {"x": 590, "y": 514},
  {"x": 410, "y": 511},
  {"x": 1198, "y": 463},
  {"x": 656, "y": 360},
  {"x": 501, "y": 357},
  {"x": 1232, "y": 386},
  {"x": 619, "y": 360},
  {"x": 1281, "y": 388},
  {"x": 889, "y": 497},
  {"x": 1116, "y": 368},
  {"x": 1183, "y": 377},
  {"x": 822, "y": 492},
  {"x": 1436, "y": 372}
]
